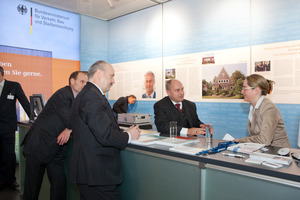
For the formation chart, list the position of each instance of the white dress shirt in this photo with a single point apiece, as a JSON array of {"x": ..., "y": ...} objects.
[{"x": 252, "y": 109}]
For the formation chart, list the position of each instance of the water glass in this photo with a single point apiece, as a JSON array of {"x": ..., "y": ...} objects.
[
  {"x": 209, "y": 135},
  {"x": 173, "y": 129}
]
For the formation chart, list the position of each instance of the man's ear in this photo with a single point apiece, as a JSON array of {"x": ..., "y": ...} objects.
[
  {"x": 168, "y": 92},
  {"x": 72, "y": 81},
  {"x": 99, "y": 74}
]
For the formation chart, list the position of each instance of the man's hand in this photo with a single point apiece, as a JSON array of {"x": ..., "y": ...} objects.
[
  {"x": 134, "y": 131},
  {"x": 210, "y": 128},
  {"x": 196, "y": 131},
  {"x": 64, "y": 136}
]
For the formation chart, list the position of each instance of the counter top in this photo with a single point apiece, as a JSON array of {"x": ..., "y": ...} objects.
[{"x": 291, "y": 172}]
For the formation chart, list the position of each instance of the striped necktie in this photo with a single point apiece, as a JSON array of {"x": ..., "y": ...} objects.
[{"x": 178, "y": 107}]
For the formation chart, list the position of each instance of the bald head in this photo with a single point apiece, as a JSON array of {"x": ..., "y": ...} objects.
[
  {"x": 102, "y": 74},
  {"x": 174, "y": 89},
  {"x": 99, "y": 65}
]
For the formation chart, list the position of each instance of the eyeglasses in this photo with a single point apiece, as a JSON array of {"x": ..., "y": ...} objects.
[{"x": 247, "y": 88}]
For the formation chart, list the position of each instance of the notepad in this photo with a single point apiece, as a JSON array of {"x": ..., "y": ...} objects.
[{"x": 271, "y": 158}]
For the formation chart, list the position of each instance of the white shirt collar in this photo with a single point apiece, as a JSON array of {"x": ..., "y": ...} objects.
[
  {"x": 74, "y": 93},
  {"x": 2, "y": 83},
  {"x": 258, "y": 102},
  {"x": 98, "y": 88},
  {"x": 151, "y": 95},
  {"x": 252, "y": 109},
  {"x": 177, "y": 103}
]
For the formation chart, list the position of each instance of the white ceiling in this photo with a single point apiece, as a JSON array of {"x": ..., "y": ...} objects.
[{"x": 103, "y": 9}]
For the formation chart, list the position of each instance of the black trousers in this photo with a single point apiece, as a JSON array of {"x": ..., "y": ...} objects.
[
  {"x": 99, "y": 192},
  {"x": 34, "y": 173},
  {"x": 7, "y": 157}
]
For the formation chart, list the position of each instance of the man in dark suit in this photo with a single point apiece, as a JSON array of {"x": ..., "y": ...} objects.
[
  {"x": 9, "y": 93},
  {"x": 96, "y": 162},
  {"x": 45, "y": 142},
  {"x": 121, "y": 105},
  {"x": 175, "y": 108}
]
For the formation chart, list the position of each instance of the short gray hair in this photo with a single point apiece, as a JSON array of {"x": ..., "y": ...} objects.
[
  {"x": 150, "y": 72},
  {"x": 168, "y": 84},
  {"x": 101, "y": 65}
]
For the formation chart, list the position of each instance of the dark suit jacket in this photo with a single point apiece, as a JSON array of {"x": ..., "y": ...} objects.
[
  {"x": 41, "y": 139},
  {"x": 165, "y": 111},
  {"x": 97, "y": 140},
  {"x": 121, "y": 105},
  {"x": 8, "y": 116}
]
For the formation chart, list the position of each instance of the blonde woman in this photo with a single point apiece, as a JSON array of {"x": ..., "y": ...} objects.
[{"x": 265, "y": 123}]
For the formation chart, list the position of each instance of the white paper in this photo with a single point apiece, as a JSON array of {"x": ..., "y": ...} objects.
[{"x": 228, "y": 137}]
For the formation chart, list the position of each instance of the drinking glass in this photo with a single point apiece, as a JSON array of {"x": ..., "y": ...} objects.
[
  {"x": 209, "y": 135},
  {"x": 173, "y": 129}
]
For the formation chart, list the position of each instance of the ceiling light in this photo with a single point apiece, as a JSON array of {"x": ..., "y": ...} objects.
[{"x": 160, "y": 1}]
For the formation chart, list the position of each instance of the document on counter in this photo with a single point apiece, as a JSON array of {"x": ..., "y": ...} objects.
[
  {"x": 245, "y": 147},
  {"x": 148, "y": 132},
  {"x": 155, "y": 138},
  {"x": 147, "y": 139},
  {"x": 271, "y": 158},
  {"x": 143, "y": 131},
  {"x": 175, "y": 141},
  {"x": 190, "y": 148}
]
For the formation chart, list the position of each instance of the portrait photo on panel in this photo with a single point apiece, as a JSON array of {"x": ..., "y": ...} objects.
[{"x": 149, "y": 83}]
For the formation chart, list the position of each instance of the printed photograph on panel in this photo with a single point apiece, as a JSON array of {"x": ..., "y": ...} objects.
[
  {"x": 223, "y": 81},
  {"x": 170, "y": 74},
  {"x": 262, "y": 66},
  {"x": 208, "y": 60}
]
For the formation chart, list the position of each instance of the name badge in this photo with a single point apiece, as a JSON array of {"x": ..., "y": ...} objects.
[{"x": 10, "y": 96}]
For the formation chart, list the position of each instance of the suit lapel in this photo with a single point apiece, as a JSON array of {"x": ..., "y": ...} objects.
[
  {"x": 104, "y": 99},
  {"x": 186, "y": 110},
  {"x": 253, "y": 120},
  {"x": 174, "y": 110},
  {"x": 110, "y": 112}
]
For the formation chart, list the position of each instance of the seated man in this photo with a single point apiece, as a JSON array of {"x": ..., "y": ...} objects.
[
  {"x": 121, "y": 105},
  {"x": 175, "y": 108}
]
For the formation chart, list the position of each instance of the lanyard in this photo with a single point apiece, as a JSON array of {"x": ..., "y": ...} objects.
[{"x": 222, "y": 146}]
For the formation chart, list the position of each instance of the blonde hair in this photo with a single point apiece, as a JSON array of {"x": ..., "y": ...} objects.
[{"x": 265, "y": 85}]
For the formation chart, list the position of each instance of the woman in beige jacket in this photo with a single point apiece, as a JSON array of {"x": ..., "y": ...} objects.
[{"x": 265, "y": 123}]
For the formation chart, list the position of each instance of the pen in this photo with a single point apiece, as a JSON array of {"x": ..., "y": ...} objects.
[{"x": 233, "y": 155}]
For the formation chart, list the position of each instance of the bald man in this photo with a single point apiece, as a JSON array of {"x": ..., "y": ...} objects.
[
  {"x": 96, "y": 162},
  {"x": 175, "y": 108}
]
